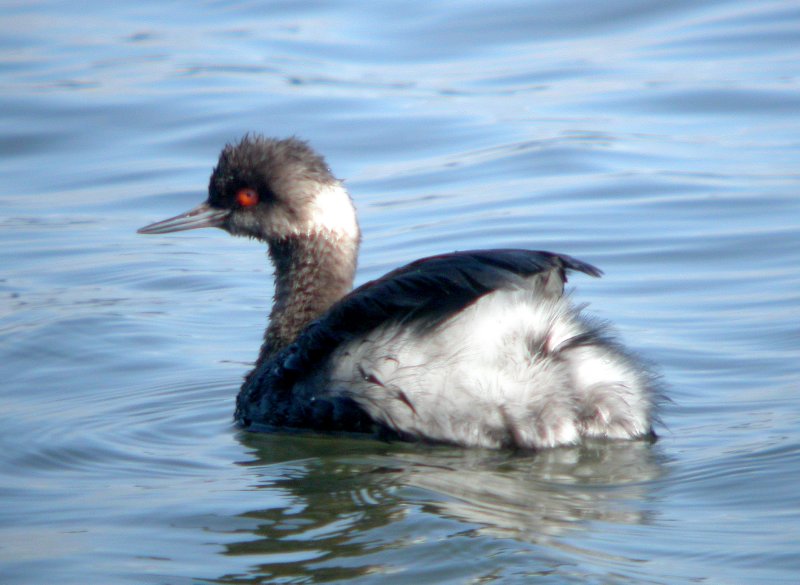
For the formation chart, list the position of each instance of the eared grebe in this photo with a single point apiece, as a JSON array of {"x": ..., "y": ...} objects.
[{"x": 477, "y": 348}]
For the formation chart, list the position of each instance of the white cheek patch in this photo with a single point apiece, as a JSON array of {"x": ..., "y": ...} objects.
[
  {"x": 329, "y": 212},
  {"x": 332, "y": 211}
]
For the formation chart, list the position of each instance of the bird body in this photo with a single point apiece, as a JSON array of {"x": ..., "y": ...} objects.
[{"x": 476, "y": 348}]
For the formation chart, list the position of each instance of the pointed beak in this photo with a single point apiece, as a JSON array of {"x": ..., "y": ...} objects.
[{"x": 201, "y": 216}]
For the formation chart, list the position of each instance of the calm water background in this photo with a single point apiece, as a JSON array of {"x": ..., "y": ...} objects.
[{"x": 659, "y": 140}]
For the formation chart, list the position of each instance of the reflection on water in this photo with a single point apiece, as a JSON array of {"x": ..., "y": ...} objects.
[
  {"x": 537, "y": 496},
  {"x": 341, "y": 507}
]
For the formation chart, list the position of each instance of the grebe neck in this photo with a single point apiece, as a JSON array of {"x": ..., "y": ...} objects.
[{"x": 312, "y": 272}]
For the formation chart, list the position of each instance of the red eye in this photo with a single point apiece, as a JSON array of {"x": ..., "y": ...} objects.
[{"x": 247, "y": 197}]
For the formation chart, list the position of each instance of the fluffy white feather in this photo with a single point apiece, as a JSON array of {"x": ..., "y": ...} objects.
[{"x": 504, "y": 371}]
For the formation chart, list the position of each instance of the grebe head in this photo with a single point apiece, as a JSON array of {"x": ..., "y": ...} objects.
[
  {"x": 282, "y": 192},
  {"x": 270, "y": 190}
]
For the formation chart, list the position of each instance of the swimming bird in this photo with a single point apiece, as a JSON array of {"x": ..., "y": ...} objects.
[{"x": 474, "y": 348}]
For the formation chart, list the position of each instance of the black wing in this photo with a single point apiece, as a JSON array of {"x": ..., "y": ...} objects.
[
  {"x": 420, "y": 295},
  {"x": 428, "y": 291}
]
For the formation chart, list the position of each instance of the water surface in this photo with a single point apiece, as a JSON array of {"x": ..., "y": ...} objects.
[{"x": 658, "y": 140}]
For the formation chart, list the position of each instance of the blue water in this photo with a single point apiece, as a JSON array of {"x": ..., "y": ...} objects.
[{"x": 657, "y": 140}]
